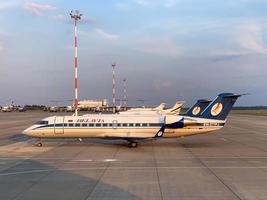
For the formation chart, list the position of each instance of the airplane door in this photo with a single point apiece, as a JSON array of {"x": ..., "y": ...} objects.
[
  {"x": 59, "y": 125},
  {"x": 114, "y": 124}
]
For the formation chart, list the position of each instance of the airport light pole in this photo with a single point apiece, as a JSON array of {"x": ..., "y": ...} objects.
[
  {"x": 113, "y": 88},
  {"x": 75, "y": 16},
  {"x": 124, "y": 94}
]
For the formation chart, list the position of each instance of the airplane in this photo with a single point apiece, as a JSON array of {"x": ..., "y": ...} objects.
[
  {"x": 158, "y": 108},
  {"x": 7, "y": 108},
  {"x": 171, "y": 111},
  {"x": 70, "y": 109},
  {"x": 134, "y": 128},
  {"x": 54, "y": 109}
]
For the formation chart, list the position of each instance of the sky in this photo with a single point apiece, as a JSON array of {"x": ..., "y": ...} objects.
[{"x": 168, "y": 50}]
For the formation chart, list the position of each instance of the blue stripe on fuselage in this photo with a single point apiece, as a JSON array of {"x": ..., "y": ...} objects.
[{"x": 105, "y": 125}]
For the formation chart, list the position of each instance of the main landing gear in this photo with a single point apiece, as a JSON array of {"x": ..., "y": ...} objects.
[{"x": 133, "y": 144}]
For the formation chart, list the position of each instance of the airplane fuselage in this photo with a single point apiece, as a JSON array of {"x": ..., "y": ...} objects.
[{"x": 121, "y": 126}]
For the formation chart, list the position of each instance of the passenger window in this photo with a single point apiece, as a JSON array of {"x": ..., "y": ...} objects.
[
  {"x": 98, "y": 125},
  {"x": 70, "y": 125},
  {"x": 131, "y": 124},
  {"x": 105, "y": 125},
  {"x": 124, "y": 125},
  {"x": 91, "y": 125},
  {"x": 84, "y": 125},
  {"x": 144, "y": 124},
  {"x": 138, "y": 124},
  {"x": 77, "y": 125}
]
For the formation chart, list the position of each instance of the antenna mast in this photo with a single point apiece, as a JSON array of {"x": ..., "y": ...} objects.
[
  {"x": 75, "y": 16},
  {"x": 124, "y": 94},
  {"x": 113, "y": 88}
]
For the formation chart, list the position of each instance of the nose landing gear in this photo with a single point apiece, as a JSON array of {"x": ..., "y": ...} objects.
[
  {"x": 39, "y": 143},
  {"x": 133, "y": 144}
]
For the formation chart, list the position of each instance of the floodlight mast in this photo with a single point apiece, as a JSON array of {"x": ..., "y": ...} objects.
[
  {"x": 113, "y": 89},
  {"x": 75, "y": 16},
  {"x": 124, "y": 94}
]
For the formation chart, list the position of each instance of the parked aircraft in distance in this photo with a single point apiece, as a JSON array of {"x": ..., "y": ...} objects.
[
  {"x": 134, "y": 128},
  {"x": 10, "y": 107},
  {"x": 158, "y": 108},
  {"x": 70, "y": 109},
  {"x": 7, "y": 108},
  {"x": 171, "y": 111},
  {"x": 54, "y": 109}
]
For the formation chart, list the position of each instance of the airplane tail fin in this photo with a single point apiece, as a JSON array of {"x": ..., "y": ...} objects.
[
  {"x": 197, "y": 108},
  {"x": 160, "y": 107},
  {"x": 176, "y": 107},
  {"x": 220, "y": 107}
]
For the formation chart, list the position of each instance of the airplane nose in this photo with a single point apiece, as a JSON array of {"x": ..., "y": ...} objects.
[{"x": 26, "y": 131}]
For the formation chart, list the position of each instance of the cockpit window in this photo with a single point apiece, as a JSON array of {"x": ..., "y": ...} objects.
[{"x": 42, "y": 122}]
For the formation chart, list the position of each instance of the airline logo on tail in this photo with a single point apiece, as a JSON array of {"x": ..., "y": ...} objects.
[
  {"x": 216, "y": 109},
  {"x": 196, "y": 110}
]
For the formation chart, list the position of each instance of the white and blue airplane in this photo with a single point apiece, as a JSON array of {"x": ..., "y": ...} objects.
[{"x": 134, "y": 128}]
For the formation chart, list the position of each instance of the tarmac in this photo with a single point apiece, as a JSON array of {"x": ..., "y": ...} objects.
[{"x": 230, "y": 164}]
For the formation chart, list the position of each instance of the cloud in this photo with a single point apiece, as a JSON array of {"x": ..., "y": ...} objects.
[
  {"x": 38, "y": 9},
  {"x": 159, "y": 47},
  {"x": 60, "y": 17},
  {"x": 164, "y": 3},
  {"x": 1, "y": 46},
  {"x": 170, "y": 3},
  {"x": 86, "y": 20},
  {"x": 227, "y": 56},
  {"x": 143, "y": 2},
  {"x": 107, "y": 36},
  {"x": 8, "y": 4},
  {"x": 123, "y": 7},
  {"x": 162, "y": 84},
  {"x": 250, "y": 38}
]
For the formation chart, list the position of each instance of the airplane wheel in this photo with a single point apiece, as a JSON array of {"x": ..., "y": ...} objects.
[
  {"x": 133, "y": 144},
  {"x": 39, "y": 144}
]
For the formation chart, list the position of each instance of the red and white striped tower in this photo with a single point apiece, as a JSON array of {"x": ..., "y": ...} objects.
[
  {"x": 124, "y": 94},
  {"x": 113, "y": 88},
  {"x": 76, "y": 17}
]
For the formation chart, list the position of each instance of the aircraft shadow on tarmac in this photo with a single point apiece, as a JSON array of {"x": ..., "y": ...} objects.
[
  {"x": 18, "y": 137},
  {"x": 85, "y": 142},
  {"x": 115, "y": 142},
  {"x": 30, "y": 179},
  {"x": 201, "y": 144}
]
